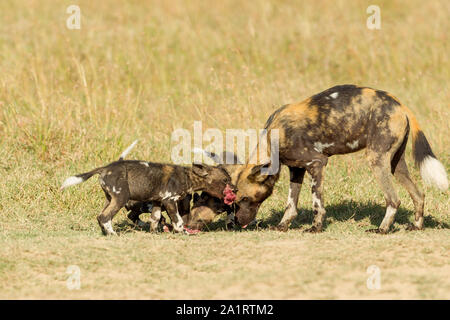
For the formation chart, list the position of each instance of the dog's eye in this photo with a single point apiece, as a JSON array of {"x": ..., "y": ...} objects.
[{"x": 244, "y": 199}]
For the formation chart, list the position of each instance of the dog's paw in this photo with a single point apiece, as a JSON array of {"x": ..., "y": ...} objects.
[
  {"x": 280, "y": 227},
  {"x": 376, "y": 230},
  {"x": 110, "y": 233},
  {"x": 412, "y": 227},
  {"x": 313, "y": 229}
]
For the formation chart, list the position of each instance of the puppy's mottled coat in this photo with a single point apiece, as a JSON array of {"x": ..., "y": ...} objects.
[{"x": 161, "y": 184}]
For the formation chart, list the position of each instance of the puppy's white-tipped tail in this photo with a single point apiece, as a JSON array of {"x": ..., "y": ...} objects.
[
  {"x": 433, "y": 172},
  {"x": 71, "y": 181},
  {"x": 211, "y": 155},
  {"x": 127, "y": 150},
  {"x": 79, "y": 178},
  {"x": 198, "y": 150}
]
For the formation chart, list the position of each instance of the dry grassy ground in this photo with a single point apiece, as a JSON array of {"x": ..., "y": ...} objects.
[{"x": 71, "y": 100}]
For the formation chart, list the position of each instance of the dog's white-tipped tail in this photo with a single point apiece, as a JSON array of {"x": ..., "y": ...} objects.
[
  {"x": 433, "y": 172},
  {"x": 71, "y": 181},
  {"x": 127, "y": 150},
  {"x": 198, "y": 150}
]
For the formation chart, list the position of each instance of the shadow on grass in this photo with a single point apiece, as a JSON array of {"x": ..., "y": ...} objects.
[
  {"x": 344, "y": 211},
  {"x": 126, "y": 226},
  {"x": 349, "y": 210}
]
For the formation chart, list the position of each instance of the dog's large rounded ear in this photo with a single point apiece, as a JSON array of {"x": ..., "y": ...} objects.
[
  {"x": 230, "y": 157},
  {"x": 200, "y": 169},
  {"x": 255, "y": 173}
]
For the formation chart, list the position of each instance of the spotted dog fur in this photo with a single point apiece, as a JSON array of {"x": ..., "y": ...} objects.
[
  {"x": 161, "y": 184},
  {"x": 341, "y": 120}
]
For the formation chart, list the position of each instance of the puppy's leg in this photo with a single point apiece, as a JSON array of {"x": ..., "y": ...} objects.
[
  {"x": 107, "y": 200},
  {"x": 105, "y": 217},
  {"x": 184, "y": 208},
  {"x": 172, "y": 211},
  {"x": 230, "y": 220},
  {"x": 155, "y": 217},
  {"x": 296, "y": 176},
  {"x": 119, "y": 195},
  {"x": 137, "y": 208}
]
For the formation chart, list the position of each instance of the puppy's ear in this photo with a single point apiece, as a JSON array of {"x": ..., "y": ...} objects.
[
  {"x": 255, "y": 173},
  {"x": 196, "y": 197},
  {"x": 200, "y": 169}
]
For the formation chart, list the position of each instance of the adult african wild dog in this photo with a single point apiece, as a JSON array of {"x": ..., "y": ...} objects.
[
  {"x": 163, "y": 184},
  {"x": 341, "y": 120}
]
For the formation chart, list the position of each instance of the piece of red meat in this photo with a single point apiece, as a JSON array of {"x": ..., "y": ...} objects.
[{"x": 230, "y": 196}]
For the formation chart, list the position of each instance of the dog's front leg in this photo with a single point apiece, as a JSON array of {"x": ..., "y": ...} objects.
[
  {"x": 172, "y": 210},
  {"x": 296, "y": 181}
]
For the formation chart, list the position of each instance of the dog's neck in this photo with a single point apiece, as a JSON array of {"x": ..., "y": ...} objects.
[{"x": 196, "y": 183}]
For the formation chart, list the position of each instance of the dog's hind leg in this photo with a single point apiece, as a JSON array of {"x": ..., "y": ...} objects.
[
  {"x": 296, "y": 176},
  {"x": 105, "y": 217},
  {"x": 107, "y": 200},
  {"x": 119, "y": 197},
  {"x": 386, "y": 143},
  {"x": 402, "y": 175},
  {"x": 400, "y": 171},
  {"x": 103, "y": 220},
  {"x": 381, "y": 167}
]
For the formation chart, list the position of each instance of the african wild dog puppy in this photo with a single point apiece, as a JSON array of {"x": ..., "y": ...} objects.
[
  {"x": 205, "y": 207},
  {"x": 341, "y": 120},
  {"x": 136, "y": 208},
  {"x": 205, "y": 210},
  {"x": 163, "y": 184}
]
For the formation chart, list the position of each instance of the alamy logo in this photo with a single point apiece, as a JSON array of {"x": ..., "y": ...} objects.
[
  {"x": 74, "y": 280},
  {"x": 74, "y": 20},
  {"x": 374, "y": 20},
  {"x": 263, "y": 146},
  {"x": 374, "y": 280}
]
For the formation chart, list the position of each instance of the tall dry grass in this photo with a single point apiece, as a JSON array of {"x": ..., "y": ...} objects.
[{"x": 71, "y": 100}]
